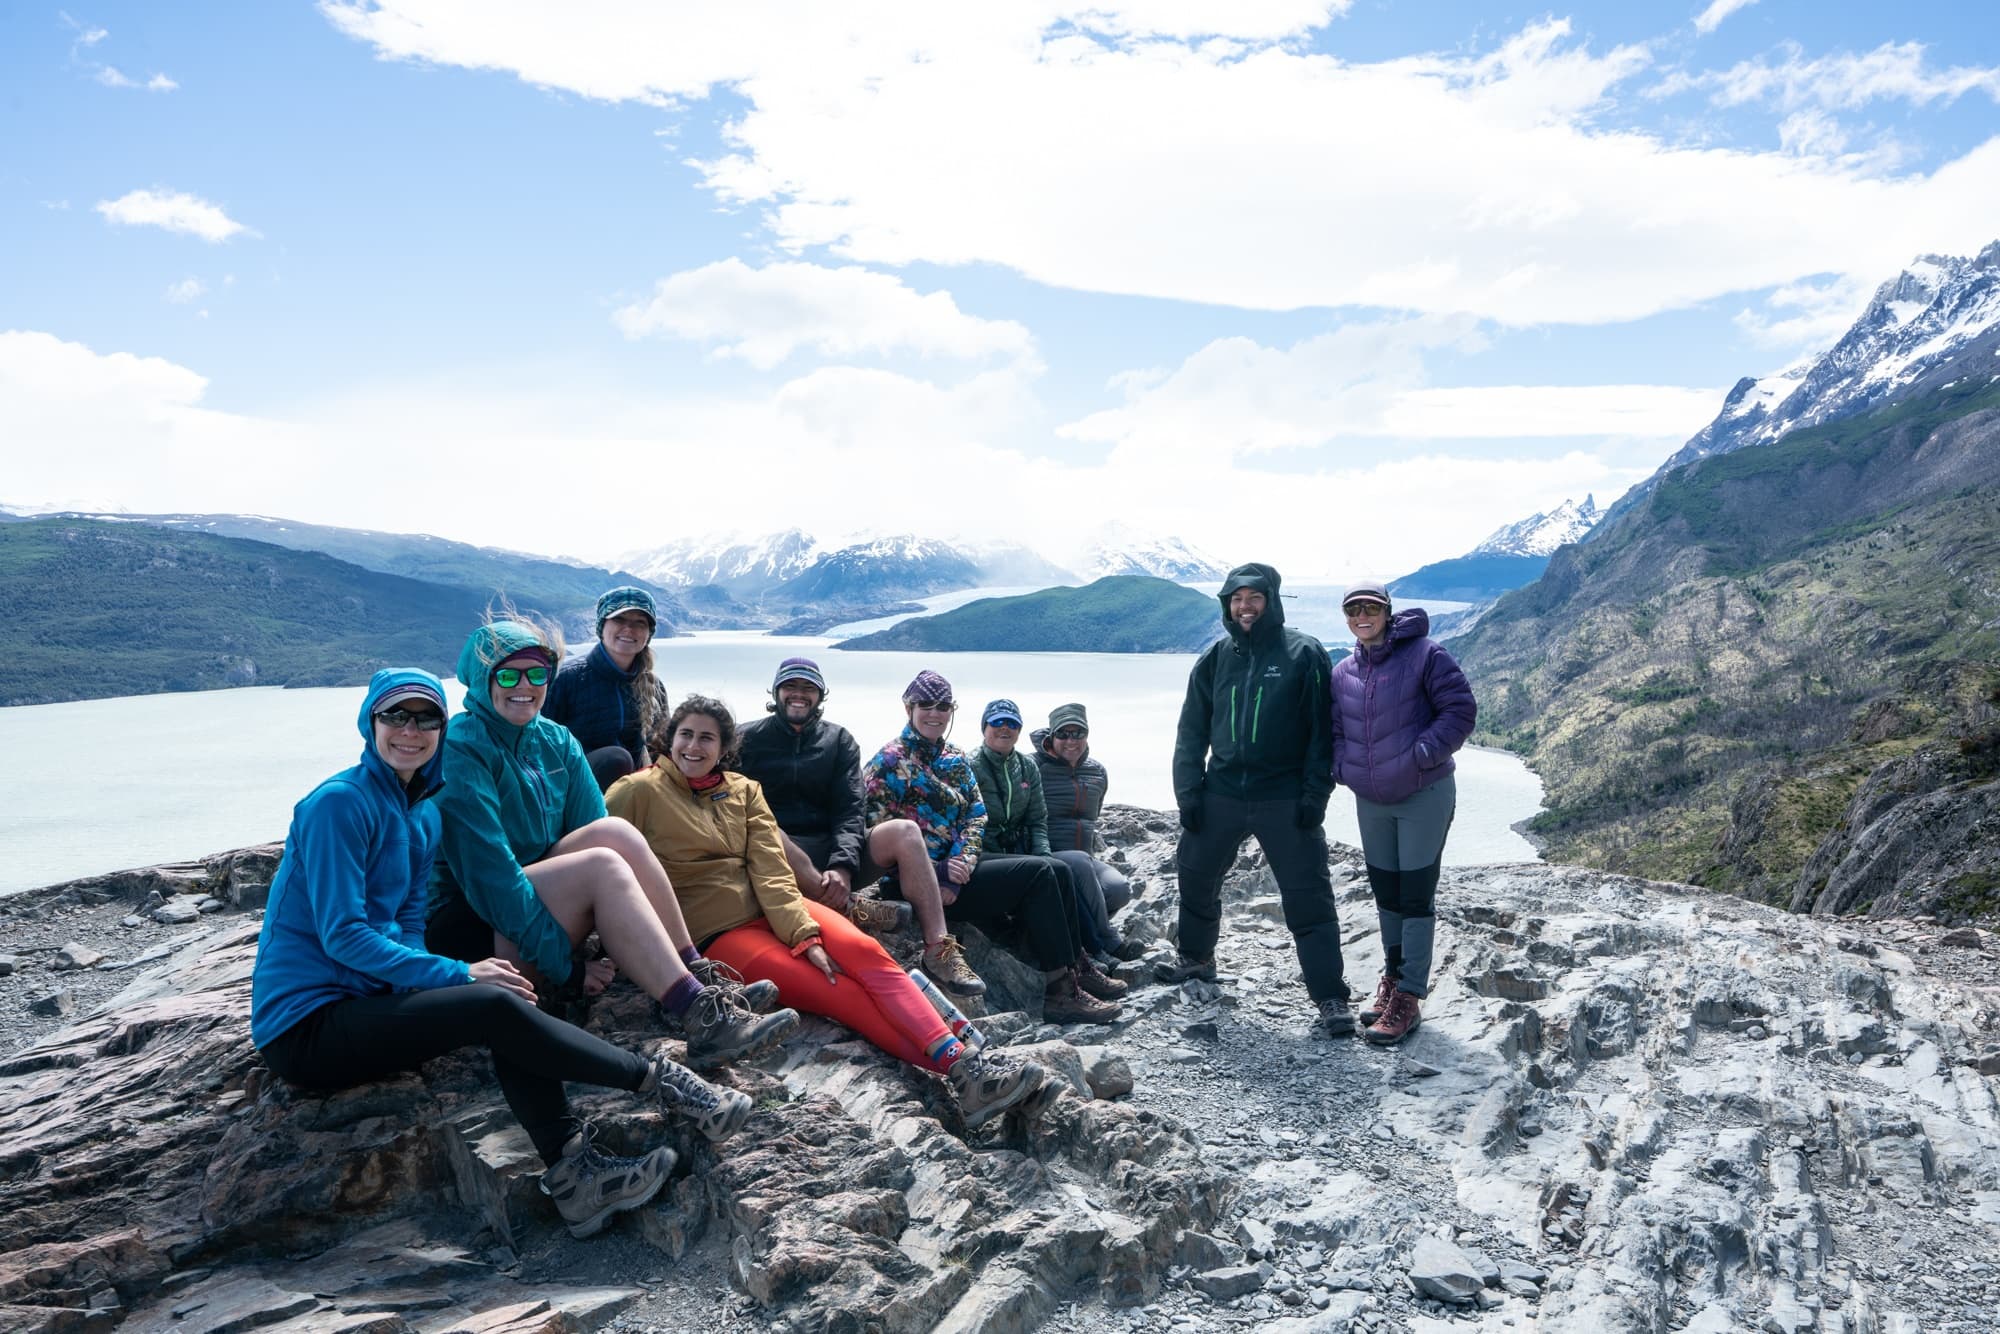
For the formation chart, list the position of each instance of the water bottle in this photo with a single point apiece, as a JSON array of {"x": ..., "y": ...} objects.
[{"x": 954, "y": 1018}]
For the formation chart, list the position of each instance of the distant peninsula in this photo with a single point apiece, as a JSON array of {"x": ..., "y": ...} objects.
[{"x": 1119, "y": 613}]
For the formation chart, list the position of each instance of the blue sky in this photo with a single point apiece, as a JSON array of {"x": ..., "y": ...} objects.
[{"x": 1343, "y": 286}]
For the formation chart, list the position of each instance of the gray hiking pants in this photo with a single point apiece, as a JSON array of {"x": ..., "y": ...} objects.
[{"x": 1404, "y": 847}]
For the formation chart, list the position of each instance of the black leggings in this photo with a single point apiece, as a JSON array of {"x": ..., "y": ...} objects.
[
  {"x": 608, "y": 764},
  {"x": 1024, "y": 889},
  {"x": 363, "y": 1038}
]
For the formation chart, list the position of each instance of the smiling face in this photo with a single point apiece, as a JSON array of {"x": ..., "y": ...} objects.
[
  {"x": 930, "y": 720},
  {"x": 404, "y": 746},
  {"x": 797, "y": 702},
  {"x": 1069, "y": 743},
  {"x": 624, "y": 635},
  {"x": 1246, "y": 607},
  {"x": 1368, "y": 619},
  {"x": 521, "y": 702},
  {"x": 696, "y": 745},
  {"x": 1001, "y": 736}
]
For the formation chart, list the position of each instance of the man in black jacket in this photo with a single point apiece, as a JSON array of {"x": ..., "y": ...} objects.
[
  {"x": 1253, "y": 758},
  {"x": 810, "y": 770}
]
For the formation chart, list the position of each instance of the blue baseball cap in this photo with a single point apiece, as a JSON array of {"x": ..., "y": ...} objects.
[{"x": 1001, "y": 711}]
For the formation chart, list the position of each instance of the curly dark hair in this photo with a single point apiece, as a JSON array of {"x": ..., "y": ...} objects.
[{"x": 725, "y": 723}]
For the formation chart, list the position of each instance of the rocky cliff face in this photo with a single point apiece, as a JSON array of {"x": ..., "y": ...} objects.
[{"x": 1631, "y": 1107}]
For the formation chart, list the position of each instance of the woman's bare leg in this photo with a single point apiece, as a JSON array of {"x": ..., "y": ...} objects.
[
  {"x": 621, "y": 837},
  {"x": 592, "y": 888},
  {"x": 899, "y": 843}
]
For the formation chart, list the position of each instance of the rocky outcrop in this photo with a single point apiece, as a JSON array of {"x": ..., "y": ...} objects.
[
  {"x": 1921, "y": 835},
  {"x": 1631, "y": 1106}
]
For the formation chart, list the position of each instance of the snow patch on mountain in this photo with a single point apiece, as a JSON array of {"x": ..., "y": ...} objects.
[
  {"x": 1541, "y": 534},
  {"x": 745, "y": 561},
  {"x": 1118, "y": 548}
]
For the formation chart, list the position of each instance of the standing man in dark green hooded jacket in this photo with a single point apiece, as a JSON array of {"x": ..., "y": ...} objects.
[{"x": 1254, "y": 758}]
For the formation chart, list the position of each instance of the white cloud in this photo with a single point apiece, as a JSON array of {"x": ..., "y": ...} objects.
[
  {"x": 764, "y": 316},
  {"x": 186, "y": 290},
  {"x": 1894, "y": 71},
  {"x": 113, "y": 77},
  {"x": 848, "y": 443},
  {"x": 175, "y": 212},
  {"x": 1237, "y": 168},
  {"x": 1711, "y": 18},
  {"x": 1807, "y": 315},
  {"x": 160, "y": 83},
  {"x": 1236, "y": 398}
]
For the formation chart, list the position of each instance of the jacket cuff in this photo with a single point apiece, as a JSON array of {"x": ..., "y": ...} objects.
[{"x": 806, "y": 943}]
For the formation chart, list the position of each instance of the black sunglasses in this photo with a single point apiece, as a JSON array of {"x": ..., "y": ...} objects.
[{"x": 397, "y": 719}]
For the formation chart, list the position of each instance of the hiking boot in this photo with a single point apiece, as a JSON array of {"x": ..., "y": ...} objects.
[
  {"x": 1095, "y": 981},
  {"x": 588, "y": 1187},
  {"x": 987, "y": 1084},
  {"x": 721, "y": 1028},
  {"x": 1184, "y": 969},
  {"x": 878, "y": 917},
  {"x": 1127, "y": 950},
  {"x": 944, "y": 963},
  {"x": 716, "y": 1113},
  {"x": 1065, "y": 1003},
  {"x": 1401, "y": 1019},
  {"x": 1336, "y": 1020},
  {"x": 1384, "y": 989},
  {"x": 759, "y": 997}
]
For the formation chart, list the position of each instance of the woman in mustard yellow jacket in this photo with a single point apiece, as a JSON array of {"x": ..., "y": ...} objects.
[{"x": 718, "y": 841}]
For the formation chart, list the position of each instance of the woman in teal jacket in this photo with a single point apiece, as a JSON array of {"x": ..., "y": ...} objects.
[
  {"x": 343, "y": 991},
  {"x": 532, "y": 864}
]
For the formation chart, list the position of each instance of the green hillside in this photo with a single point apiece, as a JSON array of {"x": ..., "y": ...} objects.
[
  {"x": 100, "y": 608},
  {"x": 553, "y": 588},
  {"x": 1706, "y": 683},
  {"x": 1117, "y": 614}
]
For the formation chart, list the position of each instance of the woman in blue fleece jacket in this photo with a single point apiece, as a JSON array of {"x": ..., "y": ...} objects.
[{"x": 344, "y": 992}]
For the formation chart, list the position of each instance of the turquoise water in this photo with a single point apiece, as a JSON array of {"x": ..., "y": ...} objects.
[{"x": 106, "y": 784}]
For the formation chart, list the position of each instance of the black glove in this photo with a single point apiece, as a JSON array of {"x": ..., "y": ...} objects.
[
  {"x": 1311, "y": 812},
  {"x": 1191, "y": 815}
]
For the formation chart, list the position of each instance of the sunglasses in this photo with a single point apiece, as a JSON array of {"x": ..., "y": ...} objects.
[
  {"x": 397, "y": 719},
  {"x": 1072, "y": 734},
  {"x": 1008, "y": 724},
  {"x": 1354, "y": 609},
  {"x": 509, "y": 677},
  {"x": 944, "y": 706}
]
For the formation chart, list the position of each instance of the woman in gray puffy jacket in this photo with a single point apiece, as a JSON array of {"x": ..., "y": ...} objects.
[{"x": 1401, "y": 707}]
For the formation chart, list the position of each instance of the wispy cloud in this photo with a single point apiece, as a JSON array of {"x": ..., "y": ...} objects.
[
  {"x": 173, "y": 211},
  {"x": 1711, "y": 18},
  {"x": 186, "y": 290},
  {"x": 87, "y": 37},
  {"x": 764, "y": 316},
  {"x": 1789, "y": 79},
  {"x": 1506, "y": 183}
]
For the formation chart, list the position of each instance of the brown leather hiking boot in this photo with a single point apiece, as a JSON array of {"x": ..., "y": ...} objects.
[
  {"x": 1398, "y": 1021},
  {"x": 878, "y": 917},
  {"x": 1065, "y": 1003},
  {"x": 1097, "y": 982},
  {"x": 944, "y": 963},
  {"x": 1384, "y": 989}
]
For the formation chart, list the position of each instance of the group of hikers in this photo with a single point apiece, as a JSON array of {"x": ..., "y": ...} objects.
[{"x": 442, "y": 892}]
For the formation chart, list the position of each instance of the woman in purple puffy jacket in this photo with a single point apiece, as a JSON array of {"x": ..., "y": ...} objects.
[{"x": 1401, "y": 707}]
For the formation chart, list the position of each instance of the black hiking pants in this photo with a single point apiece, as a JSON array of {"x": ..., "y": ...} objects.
[{"x": 1297, "y": 859}]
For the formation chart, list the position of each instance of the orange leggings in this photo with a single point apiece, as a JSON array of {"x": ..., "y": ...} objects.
[{"x": 871, "y": 995}]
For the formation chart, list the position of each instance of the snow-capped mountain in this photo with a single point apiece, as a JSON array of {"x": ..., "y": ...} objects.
[
  {"x": 1541, "y": 534},
  {"x": 1119, "y": 549},
  {"x": 884, "y": 569},
  {"x": 745, "y": 564},
  {"x": 1917, "y": 321}
]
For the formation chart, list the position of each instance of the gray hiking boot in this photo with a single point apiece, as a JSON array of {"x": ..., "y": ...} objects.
[
  {"x": 1336, "y": 1020},
  {"x": 878, "y": 917},
  {"x": 716, "y": 1113},
  {"x": 1183, "y": 969},
  {"x": 944, "y": 963},
  {"x": 759, "y": 997},
  {"x": 721, "y": 1028},
  {"x": 588, "y": 1187},
  {"x": 987, "y": 1084}
]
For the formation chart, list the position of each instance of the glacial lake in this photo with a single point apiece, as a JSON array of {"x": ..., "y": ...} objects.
[{"x": 101, "y": 785}]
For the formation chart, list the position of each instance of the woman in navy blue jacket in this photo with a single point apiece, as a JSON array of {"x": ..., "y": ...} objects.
[{"x": 344, "y": 991}]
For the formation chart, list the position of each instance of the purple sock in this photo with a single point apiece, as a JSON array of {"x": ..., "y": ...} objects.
[
  {"x": 690, "y": 955},
  {"x": 680, "y": 995}
]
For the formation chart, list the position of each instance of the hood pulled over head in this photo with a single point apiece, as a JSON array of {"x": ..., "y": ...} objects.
[
  {"x": 400, "y": 684},
  {"x": 1263, "y": 579},
  {"x": 488, "y": 647}
]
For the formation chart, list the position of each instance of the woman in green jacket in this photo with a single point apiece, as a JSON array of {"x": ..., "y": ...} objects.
[{"x": 531, "y": 864}]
